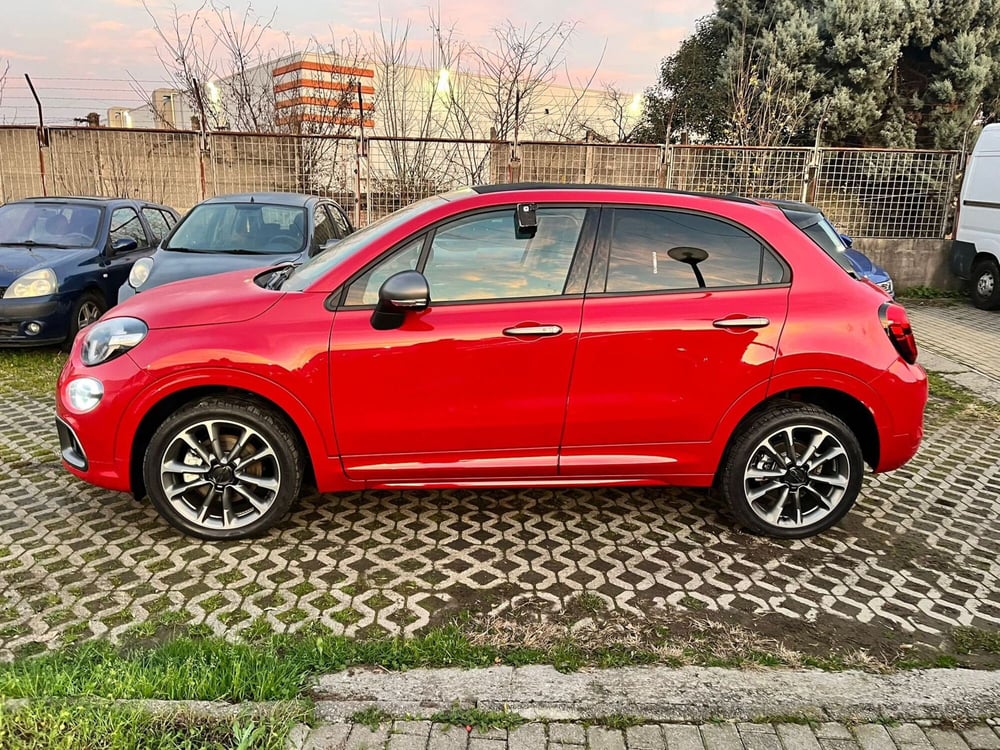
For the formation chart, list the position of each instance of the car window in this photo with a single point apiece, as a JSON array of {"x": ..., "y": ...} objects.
[
  {"x": 481, "y": 257},
  {"x": 241, "y": 227},
  {"x": 824, "y": 235},
  {"x": 364, "y": 290},
  {"x": 656, "y": 250},
  {"x": 324, "y": 229},
  {"x": 157, "y": 224},
  {"x": 340, "y": 221},
  {"x": 124, "y": 224},
  {"x": 53, "y": 224},
  {"x": 169, "y": 218}
]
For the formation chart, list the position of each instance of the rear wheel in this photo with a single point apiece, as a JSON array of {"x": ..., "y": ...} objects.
[
  {"x": 986, "y": 284},
  {"x": 793, "y": 471},
  {"x": 223, "y": 468}
]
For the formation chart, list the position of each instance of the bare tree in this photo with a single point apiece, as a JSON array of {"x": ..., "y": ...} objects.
[
  {"x": 4, "y": 69},
  {"x": 624, "y": 120}
]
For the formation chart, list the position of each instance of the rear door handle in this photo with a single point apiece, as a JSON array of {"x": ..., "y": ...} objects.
[
  {"x": 741, "y": 323},
  {"x": 533, "y": 331}
]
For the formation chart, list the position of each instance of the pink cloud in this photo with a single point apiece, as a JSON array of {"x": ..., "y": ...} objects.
[
  {"x": 107, "y": 26},
  {"x": 15, "y": 55}
]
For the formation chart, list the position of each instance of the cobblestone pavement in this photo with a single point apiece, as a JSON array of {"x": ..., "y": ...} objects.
[
  {"x": 917, "y": 557},
  {"x": 423, "y": 735},
  {"x": 961, "y": 332}
]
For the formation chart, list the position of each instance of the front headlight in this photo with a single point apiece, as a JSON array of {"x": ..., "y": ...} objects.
[
  {"x": 140, "y": 272},
  {"x": 40, "y": 283},
  {"x": 111, "y": 338}
]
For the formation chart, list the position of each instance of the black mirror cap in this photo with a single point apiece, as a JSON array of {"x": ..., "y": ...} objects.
[
  {"x": 124, "y": 245},
  {"x": 401, "y": 293}
]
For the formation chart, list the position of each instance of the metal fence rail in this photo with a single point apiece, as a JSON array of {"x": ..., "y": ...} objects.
[{"x": 867, "y": 193}]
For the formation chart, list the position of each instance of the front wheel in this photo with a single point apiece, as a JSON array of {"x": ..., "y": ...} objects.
[
  {"x": 986, "y": 284},
  {"x": 793, "y": 471},
  {"x": 223, "y": 468},
  {"x": 86, "y": 310}
]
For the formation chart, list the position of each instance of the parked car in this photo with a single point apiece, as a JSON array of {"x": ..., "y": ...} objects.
[
  {"x": 815, "y": 223},
  {"x": 975, "y": 255},
  {"x": 63, "y": 259},
  {"x": 519, "y": 336},
  {"x": 233, "y": 232}
]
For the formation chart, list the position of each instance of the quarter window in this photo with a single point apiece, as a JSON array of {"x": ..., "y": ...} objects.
[
  {"x": 364, "y": 290},
  {"x": 482, "y": 257},
  {"x": 655, "y": 250},
  {"x": 157, "y": 223},
  {"x": 324, "y": 231}
]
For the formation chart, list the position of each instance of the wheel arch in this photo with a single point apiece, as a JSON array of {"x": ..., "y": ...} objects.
[{"x": 170, "y": 403}]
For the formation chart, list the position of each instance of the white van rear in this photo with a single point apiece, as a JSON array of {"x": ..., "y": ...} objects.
[{"x": 975, "y": 252}]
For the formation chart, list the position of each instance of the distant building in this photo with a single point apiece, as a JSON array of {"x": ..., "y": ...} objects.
[{"x": 168, "y": 109}]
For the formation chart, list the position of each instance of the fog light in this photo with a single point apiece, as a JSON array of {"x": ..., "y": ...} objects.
[
  {"x": 33, "y": 329},
  {"x": 84, "y": 394}
]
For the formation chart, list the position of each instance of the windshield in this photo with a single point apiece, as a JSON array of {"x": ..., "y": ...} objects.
[
  {"x": 318, "y": 265},
  {"x": 63, "y": 225},
  {"x": 824, "y": 235},
  {"x": 240, "y": 227}
]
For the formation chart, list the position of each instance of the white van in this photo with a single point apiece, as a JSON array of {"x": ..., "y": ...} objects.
[{"x": 975, "y": 253}]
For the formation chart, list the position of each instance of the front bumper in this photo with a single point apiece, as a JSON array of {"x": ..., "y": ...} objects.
[{"x": 18, "y": 317}]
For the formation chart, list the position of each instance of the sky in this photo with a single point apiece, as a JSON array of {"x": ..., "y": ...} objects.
[{"x": 87, "y": 55}]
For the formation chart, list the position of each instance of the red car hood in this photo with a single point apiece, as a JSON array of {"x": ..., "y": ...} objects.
[{"x": 209, "y": 300}]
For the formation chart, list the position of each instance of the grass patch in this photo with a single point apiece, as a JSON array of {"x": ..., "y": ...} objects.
[
  {"x": 620, "y": 722},
  {"x": 955, "y": 398},
  {"x": 53, "y": 725},
  {"x": 33, "y": 371},
  {"x": 371, "y": 717},
  {"x": 929, "y": 292},
  {"x": 976, "y": 640},
  {"x": 478, "y": 719}
]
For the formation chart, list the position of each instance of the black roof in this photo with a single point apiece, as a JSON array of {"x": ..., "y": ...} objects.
[{"x": 519, "y": 186}]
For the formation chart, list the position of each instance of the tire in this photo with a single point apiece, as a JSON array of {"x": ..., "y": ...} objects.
[
  {"x": 791, "y": 500},
  {"x": 86, "y": 310},
  {"x": 985, "y": 284},
  {"x": 193, "y": 475}
]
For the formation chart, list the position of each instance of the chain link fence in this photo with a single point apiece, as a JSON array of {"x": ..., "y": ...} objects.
[{"x": 867, "y": 193}]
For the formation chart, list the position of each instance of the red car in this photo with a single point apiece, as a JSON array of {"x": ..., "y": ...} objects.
[{"x": 513, "y": 336}]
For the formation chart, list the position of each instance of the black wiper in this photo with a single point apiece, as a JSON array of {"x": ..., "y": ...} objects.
[
  {"x": 32, "y": 243},
  {"x": 278, "y": 277},
  {"x": 185, "y": 250}
]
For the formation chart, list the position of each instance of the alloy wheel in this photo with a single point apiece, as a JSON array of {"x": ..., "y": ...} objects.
[
  {"x": 89, "y": 313},
  {"x": 796, "y": 476}
]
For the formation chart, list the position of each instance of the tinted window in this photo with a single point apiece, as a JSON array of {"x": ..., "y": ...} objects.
[
  {"x": 343, "y": 225},
  {"x": 824, "y": 235},
  {"x": 481, "y": 256},
  {"x": 53, "y": 224},
  {"x": 667, "y": 250},
  {"x": 245, "y": 227},
  {"x": 157, "y": 223},
  {"x": 364, "y": 291},
  {"x": 125, "y": 224}
]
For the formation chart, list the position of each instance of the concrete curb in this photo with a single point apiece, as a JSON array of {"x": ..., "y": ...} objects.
[{"x": 664, "y": 694}]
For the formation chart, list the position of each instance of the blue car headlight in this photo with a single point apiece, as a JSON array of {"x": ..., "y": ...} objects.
[{"x": 111, "y": 338}]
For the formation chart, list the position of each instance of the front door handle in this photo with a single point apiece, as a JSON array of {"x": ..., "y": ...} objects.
[
  {"x": 741, "y": 323},
  {"x": 533, "y": 331}
]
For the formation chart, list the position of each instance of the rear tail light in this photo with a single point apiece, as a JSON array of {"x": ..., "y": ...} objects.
[{"x": 897, "y": 328}]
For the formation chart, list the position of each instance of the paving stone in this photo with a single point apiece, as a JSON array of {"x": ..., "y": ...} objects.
[
  {"x": 754, "y": 726},
  {"x": 407, "y": 742},
  {"x": 909, "y": 736},
  {"x": 981, "y": 738},
  {"x": 755, "y": 738},
  {"x": 567, "y": 734},
  {"x": 721, "y": 737},
  {"x": 831, "y": 744},
  {"x": 602, "y": 738},
  {"x": 874, "y": 737},
  {"x": 682, "y": 737},
  {"x": 447, "y": 737},
  {"x": 328, "y": 737},
  {"x": 493, "y": 733},
  {"x": 412, "y": 727},
  {"x": 363, "y": 738},
  {"x": 527, "y": 737},
  {"x": 481, "y": 744},
  {"x": 946, "y": 739},
  {"x": 797, "y": 736},
  {"x": 647, "y": 737},
  {"x": 832, "y": 730}
]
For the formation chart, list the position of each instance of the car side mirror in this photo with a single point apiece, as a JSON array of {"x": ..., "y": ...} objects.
[
  {"x": 124, "y": 245},
  {"x": 403, "y": 292},
  {"x": 325, "y": 246}
]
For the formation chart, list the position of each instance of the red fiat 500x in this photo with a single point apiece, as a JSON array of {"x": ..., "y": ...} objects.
[{"x": 508, "y": 336}]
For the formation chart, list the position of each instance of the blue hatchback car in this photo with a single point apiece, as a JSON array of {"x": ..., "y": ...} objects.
[{"x": 62, "y": 261}]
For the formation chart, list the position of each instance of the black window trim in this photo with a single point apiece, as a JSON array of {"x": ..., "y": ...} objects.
[
  {"x": 582, "y": 257},
  {"x": 598, "y": 284},
  {"x": 142, "y": 223}
]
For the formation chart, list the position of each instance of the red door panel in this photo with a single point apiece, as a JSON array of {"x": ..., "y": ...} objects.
[
  {"x": 449, "y": 395},
  {"x": 656, "y": 373}
]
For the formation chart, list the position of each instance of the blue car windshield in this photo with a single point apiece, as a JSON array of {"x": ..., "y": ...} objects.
[
  {"x": 240, "y": 227},
  {"x": 59, "y": 225}
]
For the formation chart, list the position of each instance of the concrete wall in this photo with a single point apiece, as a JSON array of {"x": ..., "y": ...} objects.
[{"x": 911, "y": 262}]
